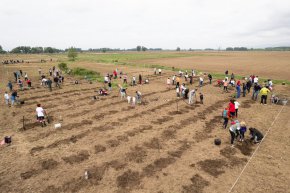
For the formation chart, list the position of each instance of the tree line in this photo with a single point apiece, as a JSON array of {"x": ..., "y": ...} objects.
[{"x": 51, "y": 50}]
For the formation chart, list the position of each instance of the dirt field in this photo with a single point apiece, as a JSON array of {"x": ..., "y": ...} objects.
[
  {"x": 146, "y": 149},
  {"x": 273, "y": 65}
]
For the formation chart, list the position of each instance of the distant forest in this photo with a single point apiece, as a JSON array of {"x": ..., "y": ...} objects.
[{"x": 51, "y": 50}]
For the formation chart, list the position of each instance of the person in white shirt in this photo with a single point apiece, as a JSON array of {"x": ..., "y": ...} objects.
[
  {"x": 200, "y": 81},
  {"x": 173, "y": 79},
  {"x": 192, "y": 73},
  {"x": 134, "y": 81},
  {"x": 6, "y": 98},
  {"x": 159, "y": 71},
  {"x": 25, "y": 77},
  {"x": 168, "y": 83},
  {"x": 237, "y": 104},
  {"x": 40, "y": 112},
  {"x": 191, "y": 96},
  {"x": 256, "y": 79}
]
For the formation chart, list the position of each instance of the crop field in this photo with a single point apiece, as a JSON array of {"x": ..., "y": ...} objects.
[{"x": 163, "y": 145}]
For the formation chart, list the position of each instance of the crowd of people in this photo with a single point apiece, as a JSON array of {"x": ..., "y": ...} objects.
[{"x": 181, "y": 81}]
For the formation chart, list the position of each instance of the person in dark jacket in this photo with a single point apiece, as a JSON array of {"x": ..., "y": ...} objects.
[
  {"x": 249, "y": 85},
  {"x": 210, "y": 78},
  {"x": 256, "y": 135},
  {"x": 256, "y": 91}
]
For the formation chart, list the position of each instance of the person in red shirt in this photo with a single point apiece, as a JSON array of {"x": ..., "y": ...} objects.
[{"x": 232, "y": 109}]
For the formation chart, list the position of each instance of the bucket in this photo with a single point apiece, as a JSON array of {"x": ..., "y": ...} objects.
[
  {"x": 57, "y": 125},
  {"x": 8, "y": 139},
  {"x": 217, "y": 141}
]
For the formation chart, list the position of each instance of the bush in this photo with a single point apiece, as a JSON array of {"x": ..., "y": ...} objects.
[
  {"x": 88, "y": 74},
  {"x": 63, "y": 66}
]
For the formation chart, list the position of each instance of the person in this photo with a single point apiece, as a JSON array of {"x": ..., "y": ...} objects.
[
  {"x": 13, "y": 97},
  {"x": 28, "y": 83},
  {"x": 210, "y": 78},
  {"x": 200, "y": 81},
  {"x": 10, "y": 86},
  {"x": 225, "y": 116},
  {"x": 40, "y": 112},
  {"x": 115, "y": 73},
  {"x": 232, "y": 108},
  {"x": 243, "y": 130},
  {"x": 233, "y": 132},
  {"x": 201, "y": 98},
  {"x": 155, "y": 71},
  {"x": 226, "y": 72},
  {"x": 138, "y": 97},
  {"x": 140, "y": 79},
  {"x": 6, "y": 98},
  {"x": 192, "y": 96},
  {"x": 182, "y": 89},
  {"x": 177, "y": 81},
  {"x": 232, "y": 76},
  {"x": 125, "y": 79},
  {"x": 146, "y": 81},
  {"x": 177, "y": 91},
  {"x": 110, "y": 85},
  {"x": 168, "y": 83},
  {"x": 256, "y": 79},
  {"x": 256, "y": 135},
  {"x": 49, "y": 83},
  {"x": 249, "y": 85},
  {"x": 15, "y": 76},
  {"x": 173, "y": 79},
  {"x": 244, "y": 89},
  {"x": 133, "y": 81},
  {"x": 237, "y": 104},
  {"x": 256, "y": 91},
  {"x": 122, "y": 92},
  {"x": 20, "y": 83},
  {"x": 103, "y": 92},
  {"x": 264, "y": 93},
  {"x": 21, "y": 73},
  {"x": 159, "y": 71},
  {"x": 25, "y": 77},
  {"x": 190, "y": 80},
  {"x": 226, "y": 83},
  {"x": 56, "y": 81},
  {"x": 185, "y": 93},
  {"x": 39, "y": 71},
  {"x": 192, "y": 73},
  {"x": 106, "y": 79},
  {"x": 50, "y": 72},
  {"x": 238, "y": 88}
]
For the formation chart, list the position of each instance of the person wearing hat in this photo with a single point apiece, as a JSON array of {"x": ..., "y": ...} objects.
[
  {"x": 243, "y": 130},
  {"x": 233, "y": 132}
]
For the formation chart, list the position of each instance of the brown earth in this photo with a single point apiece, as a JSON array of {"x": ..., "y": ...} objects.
[
  {"x": 150, "y": 148},
  {"x": 273, "y": 65}
]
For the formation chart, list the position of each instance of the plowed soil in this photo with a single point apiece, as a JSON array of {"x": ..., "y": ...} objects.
[{"x": 165, "y": 145}]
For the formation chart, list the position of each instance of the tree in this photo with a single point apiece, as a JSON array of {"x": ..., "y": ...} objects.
[
  {"x": 178, "y": 49},
  {"x": 138, "y": 48},
  {"x": 72, "y": 54},
  {"x": 229, "y": 49},
  {"x": 1, "y": 50},
  {"x": 143, "y": 48}
]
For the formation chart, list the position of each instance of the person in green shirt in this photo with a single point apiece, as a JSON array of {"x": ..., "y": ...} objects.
[{"x": 264, "y": 93}]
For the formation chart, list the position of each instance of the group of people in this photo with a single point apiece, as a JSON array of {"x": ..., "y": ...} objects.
[
  {"x": 55, "y": 75},
  {"x": 12, "y": 61}
]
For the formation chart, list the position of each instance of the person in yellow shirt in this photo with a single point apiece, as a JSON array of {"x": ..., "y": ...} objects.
[{"x": 264, "y": 93}]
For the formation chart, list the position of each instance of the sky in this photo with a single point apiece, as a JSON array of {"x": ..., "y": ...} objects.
[{"x": 166, "y": 24}]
